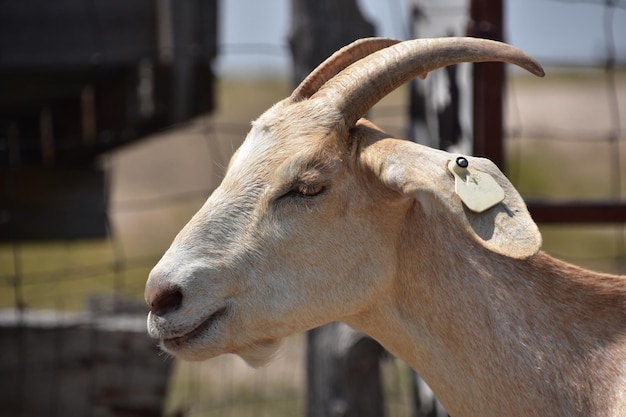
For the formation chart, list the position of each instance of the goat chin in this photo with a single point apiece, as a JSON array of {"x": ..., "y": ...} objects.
[{"x": 260, "y": 354}]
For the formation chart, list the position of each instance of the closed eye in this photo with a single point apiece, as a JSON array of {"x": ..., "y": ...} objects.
[
  {"x": 306, "y": 181},
  {"x": 304, "y": 189}
]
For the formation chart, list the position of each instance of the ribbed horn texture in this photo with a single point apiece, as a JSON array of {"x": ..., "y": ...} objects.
[
  {"x": 357, "y": 88},
  {"x": 344, "y": 57}
]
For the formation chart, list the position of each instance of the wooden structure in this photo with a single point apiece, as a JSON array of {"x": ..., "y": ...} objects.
[
  {"x": 343, "y": 369},
  {"x": 79, "y": 364},
  {"x": 79, "y": 79}
]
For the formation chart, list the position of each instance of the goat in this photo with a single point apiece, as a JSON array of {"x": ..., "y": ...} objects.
[{"x": 321, "y": 216}]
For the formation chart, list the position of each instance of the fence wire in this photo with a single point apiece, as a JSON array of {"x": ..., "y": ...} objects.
[{"x": 587, "y": 155}]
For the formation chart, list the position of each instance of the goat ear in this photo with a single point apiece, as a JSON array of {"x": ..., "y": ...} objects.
[{"x": 422, "y": 173}]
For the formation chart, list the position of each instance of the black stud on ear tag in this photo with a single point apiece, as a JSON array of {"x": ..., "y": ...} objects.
[{"x": 479, "y": 191}]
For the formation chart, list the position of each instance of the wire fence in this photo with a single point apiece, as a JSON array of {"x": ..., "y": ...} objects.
[
  {"x": 575, "y": 151},
  {"x": 584, "y": 155}
]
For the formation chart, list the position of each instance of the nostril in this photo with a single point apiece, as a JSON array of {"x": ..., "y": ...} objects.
[{"x": 166, "y": 302}]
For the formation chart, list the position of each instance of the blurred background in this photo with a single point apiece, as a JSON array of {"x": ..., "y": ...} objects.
[{"x": 118, "y": 118}]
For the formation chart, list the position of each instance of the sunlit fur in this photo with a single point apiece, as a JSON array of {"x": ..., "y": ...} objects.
[{"x": 494, "y": 326}]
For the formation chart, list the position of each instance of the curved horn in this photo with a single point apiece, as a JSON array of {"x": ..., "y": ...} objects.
[
  {"x": 344, "y": 57},
  {"x": 361, "y": 85}
]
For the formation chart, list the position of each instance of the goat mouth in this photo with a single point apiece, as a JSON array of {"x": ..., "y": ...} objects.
[{"x": 200, "y": 330}]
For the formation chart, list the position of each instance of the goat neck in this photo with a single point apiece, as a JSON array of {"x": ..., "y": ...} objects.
[{"x": 493, "y": 334}]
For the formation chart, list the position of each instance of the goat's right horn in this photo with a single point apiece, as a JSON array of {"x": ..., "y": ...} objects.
[{"x": 356, "y": 89}]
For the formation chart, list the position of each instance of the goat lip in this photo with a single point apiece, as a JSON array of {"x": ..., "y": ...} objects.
[{"x": 202, "y": 328}]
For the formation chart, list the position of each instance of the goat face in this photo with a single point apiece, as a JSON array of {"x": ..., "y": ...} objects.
[
  {"x": 276, "y": 249},
  {"x": 304, "y": 228}
]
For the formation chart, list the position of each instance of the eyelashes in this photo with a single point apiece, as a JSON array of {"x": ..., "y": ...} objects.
[
  {"x": 308, "y": 189},
  {"x": 307, "y": 182},
  {"x": 304, "y": 189}
]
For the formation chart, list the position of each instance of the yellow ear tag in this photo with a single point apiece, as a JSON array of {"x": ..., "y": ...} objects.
[{"x": 478, "y": 190}]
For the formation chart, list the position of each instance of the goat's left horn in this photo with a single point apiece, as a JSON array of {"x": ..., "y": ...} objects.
[
  {"x": 356, "y": 89},
  {"x": 344, "y": 57}
]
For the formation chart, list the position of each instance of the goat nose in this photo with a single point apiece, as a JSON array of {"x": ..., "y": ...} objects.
[{"x": 166, "y": 301}]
